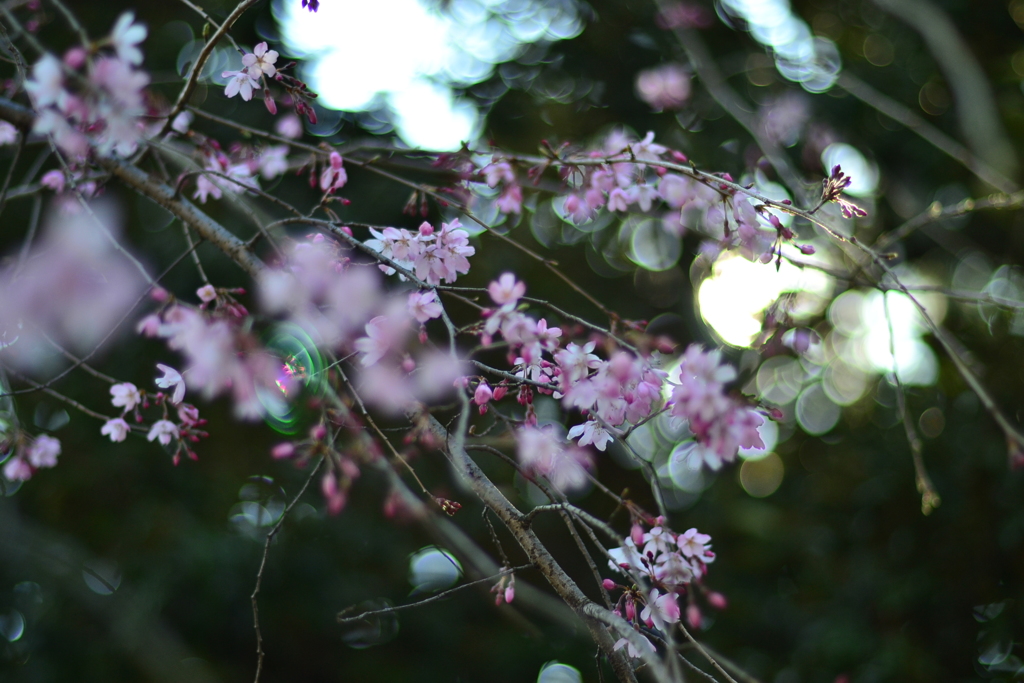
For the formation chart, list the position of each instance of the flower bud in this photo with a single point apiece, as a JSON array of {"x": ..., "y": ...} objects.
[{"x": 282, "y": 450}]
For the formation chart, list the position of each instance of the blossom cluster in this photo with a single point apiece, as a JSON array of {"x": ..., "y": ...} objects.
[
  {"x": 92, "y": 99},
  {"x": 29, "y": 457},
  {"x": 721, "y": 424},
  {"x": 663, "y": 567},
  {"x": 617, "y": 392},
  {"x": 433, "y": 255},
  {"x": 220, "y": 355}
]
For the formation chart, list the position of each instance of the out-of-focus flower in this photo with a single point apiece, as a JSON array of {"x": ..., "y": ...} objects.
[
  {"x": 73, "y": 288},
  {"x": 164, "y": 431},
  {"x": 8, "y": 133},
  {"x": 126, "y": 37},
  {"x": 506, "y": 290},
  {"x": 424, "y": 305},
  {"x": 171, "y": 378},
  {"x": 117, "y": 429},
  {"x": 43, "y": 452},
  {"x": 289, "y": 126},
  {"x": 125, "y": 395},
  {"x": 664, "y": 87}
]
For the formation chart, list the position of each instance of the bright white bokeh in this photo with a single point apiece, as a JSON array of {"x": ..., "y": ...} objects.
[
  {"x": 733, "y": 299},
  {"x": 402, "y": 55}
]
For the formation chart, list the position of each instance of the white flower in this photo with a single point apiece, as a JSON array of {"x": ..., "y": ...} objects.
[
  {"x": 125, "y": 37},
  {"x": 240, "y": 83},
  {"x": 633, "y": 652},
  {"x": 47, "y": 83},
  {"x": 125, "y": 395},
  {"x": 171, "y": 378},
  {"x": 164, "y": 430},
  {"x": 591, "y": 432},
  {"x": 206, "y": 293},
  {"x": 117, "y": 429}
]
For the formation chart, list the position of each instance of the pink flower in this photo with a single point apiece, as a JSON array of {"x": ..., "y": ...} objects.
[
  {"x": 43, "y": 452},
  {"x": 424, "y": 305},
  {"x": 117, "y": 429},
  {"x": 54, "y": 180},
  {"x": 660, "y": 610},
  {"x": 498, "y": 171},
  {"x": 206, "y": 293},
  {"x": 664, "y": 87},
  {"x": 171, "y": 378},
  {"x": 260, "y": 61},
  {"x": 126, "y": 36},
  {"x": 693, "y": 543},
  {"x": 241, "y": 83},
  {"x": 289, "y": 126},
  {"x": 506, "y": 290},
  {"x": 125, "y": 395},
  {"x": 164, "y": 430},
  {"x": 333, "y": 177},
  {"x": 382, "y": 333},
  {"x": 17, "y": 469}
]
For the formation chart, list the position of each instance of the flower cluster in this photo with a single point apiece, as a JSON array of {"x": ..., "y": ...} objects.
[
  {"x": 832, "y": 190},
  {"x": 663, "y": 567},
  {"x": 721, "y": 424},
  {"x": 433, "y": 255},
  {"x": 104, "y": 110},
  {"x": 221, "y": 356},
  {"x": 31, "y": 456}
]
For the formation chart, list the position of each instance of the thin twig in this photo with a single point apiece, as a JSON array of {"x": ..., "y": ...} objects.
[{"x": 260, "y": 654}]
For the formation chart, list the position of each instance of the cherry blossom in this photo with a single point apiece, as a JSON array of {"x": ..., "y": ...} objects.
[
  {"x": 17, "y": 469},
  {"x": 126, "y": 36},
  {"x": 125, "y": 395},
  {"x": 117, "y": 429},
  {"x": 206, "y": 293},
  {"x": 43, "y": 452},
  {"x": 424, "y": 305},
  {"x": 241, "y": 83},
  {"x": 260, "y": 61},
  {"x": 164, "y": 431},
  {"x": 661, "y": 610},
  {"x": 171, "y": 378},
  {"x": 591, "y": 432},
  {"x": 631, "y": 649},
  {"x": 8, "y": 133},
  {"x": 541, "y": 452},
  {"x": 664, "y": 87},
  {"x": 382, "y": 334},
  {"x": 333, "y": 177},
  {"x": 46, "y": 86},
  {"x": 506, "y": 290}
]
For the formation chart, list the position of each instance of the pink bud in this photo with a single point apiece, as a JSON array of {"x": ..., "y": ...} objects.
[
  {"x": 159, "y": 294},
  {"x": 717, "y": 600},
  {"x": 637, "y": 534},
  {"x": 269, "y": 102},
  {"x": 510, "y": 593},
  {"x": 283, "y": 450},
  {"x": 318, "y": 433},
  {"x": 483, "y": 394},
  {"x": 408, "y": 364},
  {"x": 693, "y": 616},
  {"x": 426, "y": 229},
  {"x": 335, "y": 160},
  {"x": 630, "y": 610},
  {"x": 499, "y": 392},
  {"x": 806, "y": 249},
  {"x": 608, "y": 584},
  {"x": 347, "y": 230}
]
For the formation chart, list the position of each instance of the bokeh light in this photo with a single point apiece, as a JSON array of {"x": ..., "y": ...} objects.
[{"x": 407, "y": 58}]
